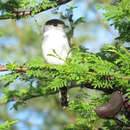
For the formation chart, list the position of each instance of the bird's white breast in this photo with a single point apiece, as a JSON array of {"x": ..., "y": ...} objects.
[{"x": 55, "y": 39}]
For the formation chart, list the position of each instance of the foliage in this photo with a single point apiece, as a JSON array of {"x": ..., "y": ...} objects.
[
  {"x": 10, "y": 7},
  {"x": 7, "y": 125},
  {"x": 103, "y": 75},
  {"x": 105, "y": 70},
  {"x": 120, "y": 16}
]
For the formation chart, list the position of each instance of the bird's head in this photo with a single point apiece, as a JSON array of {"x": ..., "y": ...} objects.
[{"x": 54, "y": 24}]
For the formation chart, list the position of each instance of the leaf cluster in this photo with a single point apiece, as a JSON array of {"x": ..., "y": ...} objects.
[
  {"x": 11, "y": 8},
  {"x": 7, "y": 125},
  {"x": 81, "y": 68},
  {"x": 119, "y": 14}
]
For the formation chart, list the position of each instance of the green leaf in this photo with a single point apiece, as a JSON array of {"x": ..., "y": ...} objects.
[{"x": 1, "y": 34}]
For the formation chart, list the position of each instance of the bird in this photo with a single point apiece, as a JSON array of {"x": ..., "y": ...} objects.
[{"x": 56, "y": 48}]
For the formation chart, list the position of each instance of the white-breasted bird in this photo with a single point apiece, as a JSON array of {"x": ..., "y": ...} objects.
[{"x": 55, "y": 48}]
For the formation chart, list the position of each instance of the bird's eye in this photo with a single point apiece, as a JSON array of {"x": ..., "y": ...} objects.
[{"x": 55, "y": 24}]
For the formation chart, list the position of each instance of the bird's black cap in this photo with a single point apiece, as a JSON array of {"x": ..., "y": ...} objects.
[{"x": 55, "y": 22}]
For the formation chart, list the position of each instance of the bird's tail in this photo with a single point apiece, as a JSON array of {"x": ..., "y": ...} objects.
[{"x": 64, "y": 97}]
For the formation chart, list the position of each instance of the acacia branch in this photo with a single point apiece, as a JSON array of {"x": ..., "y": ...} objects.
[
  {"x": 4, "y": 68},
  {"x": 19, "y": 14},
  {"x": 86, "y": 85},
  {"x": 24, "y": 69},
  {"x": 73, "y": 85}
]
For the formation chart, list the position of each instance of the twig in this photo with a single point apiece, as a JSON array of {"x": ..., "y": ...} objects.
[
  {"x": 121, "y": 123},
  {"x": 4, "y": 68}
]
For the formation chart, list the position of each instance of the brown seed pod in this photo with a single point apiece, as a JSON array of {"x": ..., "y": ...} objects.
[{"x": 111, "y": 108}]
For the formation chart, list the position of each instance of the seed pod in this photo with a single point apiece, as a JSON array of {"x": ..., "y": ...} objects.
[{"x": 111, "y": 108}]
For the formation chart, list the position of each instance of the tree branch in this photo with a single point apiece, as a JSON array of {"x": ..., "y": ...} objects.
[
  {"x": 24, "y": 69},
  {"x": 38, "y": 95},
  {"x": 18, "y": 14},
  {"x": 4, "y": 68},
  {"x": 86, "y": 85},
  {"x": 73, "y": 85}
]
